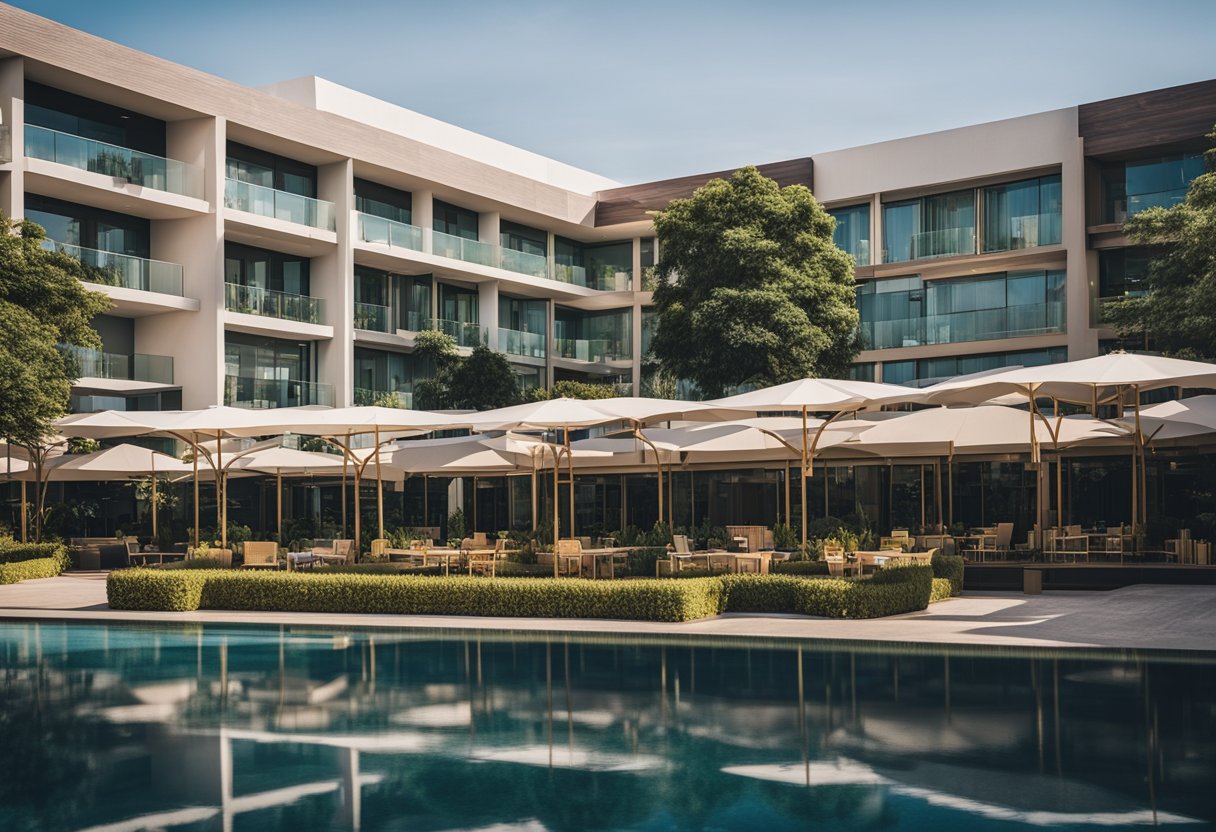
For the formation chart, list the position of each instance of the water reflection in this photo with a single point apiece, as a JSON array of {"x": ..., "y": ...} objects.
[{"x": 226, "y": 728}]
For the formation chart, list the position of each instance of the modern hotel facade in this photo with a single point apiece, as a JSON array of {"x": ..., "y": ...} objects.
[{"x": 286, "y": 245}]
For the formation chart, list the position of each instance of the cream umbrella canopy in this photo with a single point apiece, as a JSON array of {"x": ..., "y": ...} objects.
[
  {"x": 1105, "y": 379},
  {"x": 837, "y": 396}
]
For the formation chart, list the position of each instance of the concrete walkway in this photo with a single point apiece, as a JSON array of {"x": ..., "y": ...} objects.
[{"x": 1138, "y": 617}]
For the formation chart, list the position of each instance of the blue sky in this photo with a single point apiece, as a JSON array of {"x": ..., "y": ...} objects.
[{"x": 649, "y": 90}]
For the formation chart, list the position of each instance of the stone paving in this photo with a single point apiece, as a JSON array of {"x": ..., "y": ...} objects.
[{"x": 1138, "y": 617}]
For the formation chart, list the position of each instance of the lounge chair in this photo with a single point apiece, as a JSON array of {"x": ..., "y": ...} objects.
[
  {"x": 379, "y": 547},
  {"x": 136, "y": 557},
  {"x": 337, "y": 553},
  {"x": 261, "y": 554},
  {"x": 836, "y": 565},
  {"x": 569, "y": 554},
  {"x": 1000, "y": 541}
]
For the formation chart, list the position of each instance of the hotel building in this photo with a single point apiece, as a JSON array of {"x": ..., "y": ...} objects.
[{"x": 286, "y": 245}]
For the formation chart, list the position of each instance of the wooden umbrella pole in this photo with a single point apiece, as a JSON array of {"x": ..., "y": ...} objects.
[
  {"x": 557, "y": 472},
  {"x": 950, "y": 479},
  {"x": 25, "y": 512},
  {"x": 802, "y": 479},
  {"x": 278, "y": 472},
  {"x": 345, "y": 524},
  {"x": 1140, "y": 514},
  {"x": 154, "y": 497},
  {"x": 570, "y": 468},
  {"x": 194, "y": 455},
  {"x": 379, "y": 485},
  {"x": 789, "y": 521},
  {"x": 219, "y": 490}
]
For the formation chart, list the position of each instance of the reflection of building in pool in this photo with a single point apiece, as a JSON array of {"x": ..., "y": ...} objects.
[{"x": 231, "y": 727}]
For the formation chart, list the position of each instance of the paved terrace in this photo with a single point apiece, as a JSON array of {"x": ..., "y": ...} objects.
[{"x": 1138, "y": 617}]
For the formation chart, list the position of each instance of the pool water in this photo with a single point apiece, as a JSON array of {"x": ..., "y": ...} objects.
[{"x": 192, "y": 728}]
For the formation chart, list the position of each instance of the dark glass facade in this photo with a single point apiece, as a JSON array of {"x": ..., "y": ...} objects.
[
  {"x": 852, "y": 232},
  {"x": 88, "y": 227},
  {"x": 268, "y": 170},
  {"x": 382, "y": 201}
]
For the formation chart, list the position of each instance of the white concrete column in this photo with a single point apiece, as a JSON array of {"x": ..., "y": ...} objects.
[
  {"x": 1082, "y": 338},
  {"x": 488, "y": 225},
  {"x": 422, "y": 214},
  {"x": 194, "y": 339},
  {"x": 487, "y": 311},
  {"x": 12, "y": 116},
  {"x": 331, "y": 278},
  {"x": 635, "y": 369}
]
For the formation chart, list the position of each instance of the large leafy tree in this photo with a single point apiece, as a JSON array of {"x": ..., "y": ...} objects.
[
  {"x": 43, "y": 304},
  {"x": 482, "y": 381},
  {"x": 751, "y": 288},
  {"x": 1178, "y": 314}
]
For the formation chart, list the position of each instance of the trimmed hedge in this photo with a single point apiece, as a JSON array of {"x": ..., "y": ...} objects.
[
  {"x": 891, "y": 591},
  {"x": 943, "y": 588},
  {"x": 951, "y": 568},
  {"x": 25, "y": 570},
  {"x": 143, "y": 589},
  {"x": 13, "y": 552}
]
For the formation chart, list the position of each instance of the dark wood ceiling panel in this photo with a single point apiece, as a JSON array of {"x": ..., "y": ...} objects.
[
  {"x": 1171, "y": 117},
  {"x": 630, "y": 203}
]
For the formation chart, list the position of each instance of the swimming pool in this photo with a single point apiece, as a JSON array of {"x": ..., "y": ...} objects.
[{"x": 193, "y": 727}]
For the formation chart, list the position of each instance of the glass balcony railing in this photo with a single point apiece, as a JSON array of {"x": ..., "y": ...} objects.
[
  {"x": 604, "y": 278},
  {"x": 372, "y": 317},
  {"x": 536, "y": 265},
  {"x": 412, "y": 320},
  {"x": 246, "y": 391},
  {"x": 373, "y": 229},
  {"x": 460, "y": 248},
  {"x": 268, "y": 303},
  {"x": 959, "y": 327},
  {"x": 861, "y": 253},
  {"x": 136, "y": 167},
  {"x": 465, "y": 334},
  {"x": 514, "y": 342},
  {"x": 944, "y": 242},
  {"x": 109, "y": 268},
  {"x": 268, "y": 202},
  {"x": 386, "y": 398},
  {"x": 6, "y": 144},
  {"x": 593, "y": 349},
  {"x": 89, "y": 363},
  {"x": 1027, "y": 231}
]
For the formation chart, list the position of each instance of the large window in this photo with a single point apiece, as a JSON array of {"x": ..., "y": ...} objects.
[
  {"x": 852, "y": 232},
  {"x": 1022, "y": 214},
  {"x": 1130, "y": 187},
  {"x": 378, "y": 372},
  {"x": 604, "y": 266},
  {"x": 67, "y": 113},
  {"x": 926, "y": 371},
  {"x": 257, "y": 167},
  {"x": 1122, "y": 273},
  {"x": 904, "y": 312},
  {"x": 593, "y": 336},
  {"x": 933, "y": 226},
  {"x": 82, "y": 225},
  {"x": 259, "y": 268},
  {"x": 267, "y": 359},
  {"x": 382, "y": 201},
  {"x": 455, "y": 221},
  {"x": 516, "y": 237}
]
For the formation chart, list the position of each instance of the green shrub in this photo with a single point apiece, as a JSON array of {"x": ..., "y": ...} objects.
[
  {"x": 943, "y": 588},
  {"x": 641, "y": 561},
  {"x": 800, "y": 567},
  {"x": 951, "y": 568},
  {"x": 196, "y": 563},
  {"x": 890, "y": 591},
  {"x": 25, "y": 570},
  {"x": 156, "y": 589},
  {"x": 11, "y": 551},
  {"x": 762, "y": 593}
]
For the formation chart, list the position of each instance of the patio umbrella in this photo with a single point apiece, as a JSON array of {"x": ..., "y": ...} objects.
[
  {"x": 818, "y": 395},
  {"x": 1102, "y": 380},
  {"x": 562, "y": 414}
]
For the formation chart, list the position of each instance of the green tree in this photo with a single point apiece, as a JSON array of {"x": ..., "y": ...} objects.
[
  {"x": 482, "y": 381},
  {"x": 751, "y": 288},
  {"x": 1178, "y": 314},
  {"x": 43, "y": 305},
  {"x": 569, "y": 389}
]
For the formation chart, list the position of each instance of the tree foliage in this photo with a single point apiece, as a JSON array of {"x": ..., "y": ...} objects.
[
  {"x": 1178, "y": 314},
  {"x": 42, "y": 304},
  {"x": 570, "y": 389},
  {"x": 482, "y": 381},
  {"x": 751, "y": 288}
]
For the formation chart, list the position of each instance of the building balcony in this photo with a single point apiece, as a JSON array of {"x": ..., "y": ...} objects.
[
  {"x": 368, "y": 396},
  {"x": 593, "y": 350},
  {"x": 945, "y": 242},
  {"x": 139, "y": 367},
  {"x": 109, "y": 268},
  {"x": 515, "y": 342},
  {"x": 465, "y": 334},
  {"x": 280, "y": 205},
  {"x": 251, "y": 300},
  {"x": 6, "y": 144},
  {"x": 603, "y": 279},
  {"x": 373, "y": 229},
  {"x": 414, "y": 321},
  {"x": 962, "y": 327},
  {"x": 373, "y": 318},
  {"x": 134, "y": 166},
  {"x": 1027, "y": 231},
  {"x": 536, "y": 265},
  {"x": 461, "y": 248},
  {"x": 860, "y": 253},
  {"x": 246, "y": 391}
]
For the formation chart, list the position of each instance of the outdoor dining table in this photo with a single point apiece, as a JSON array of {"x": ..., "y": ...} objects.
[{"x": 590, "y": 560}]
